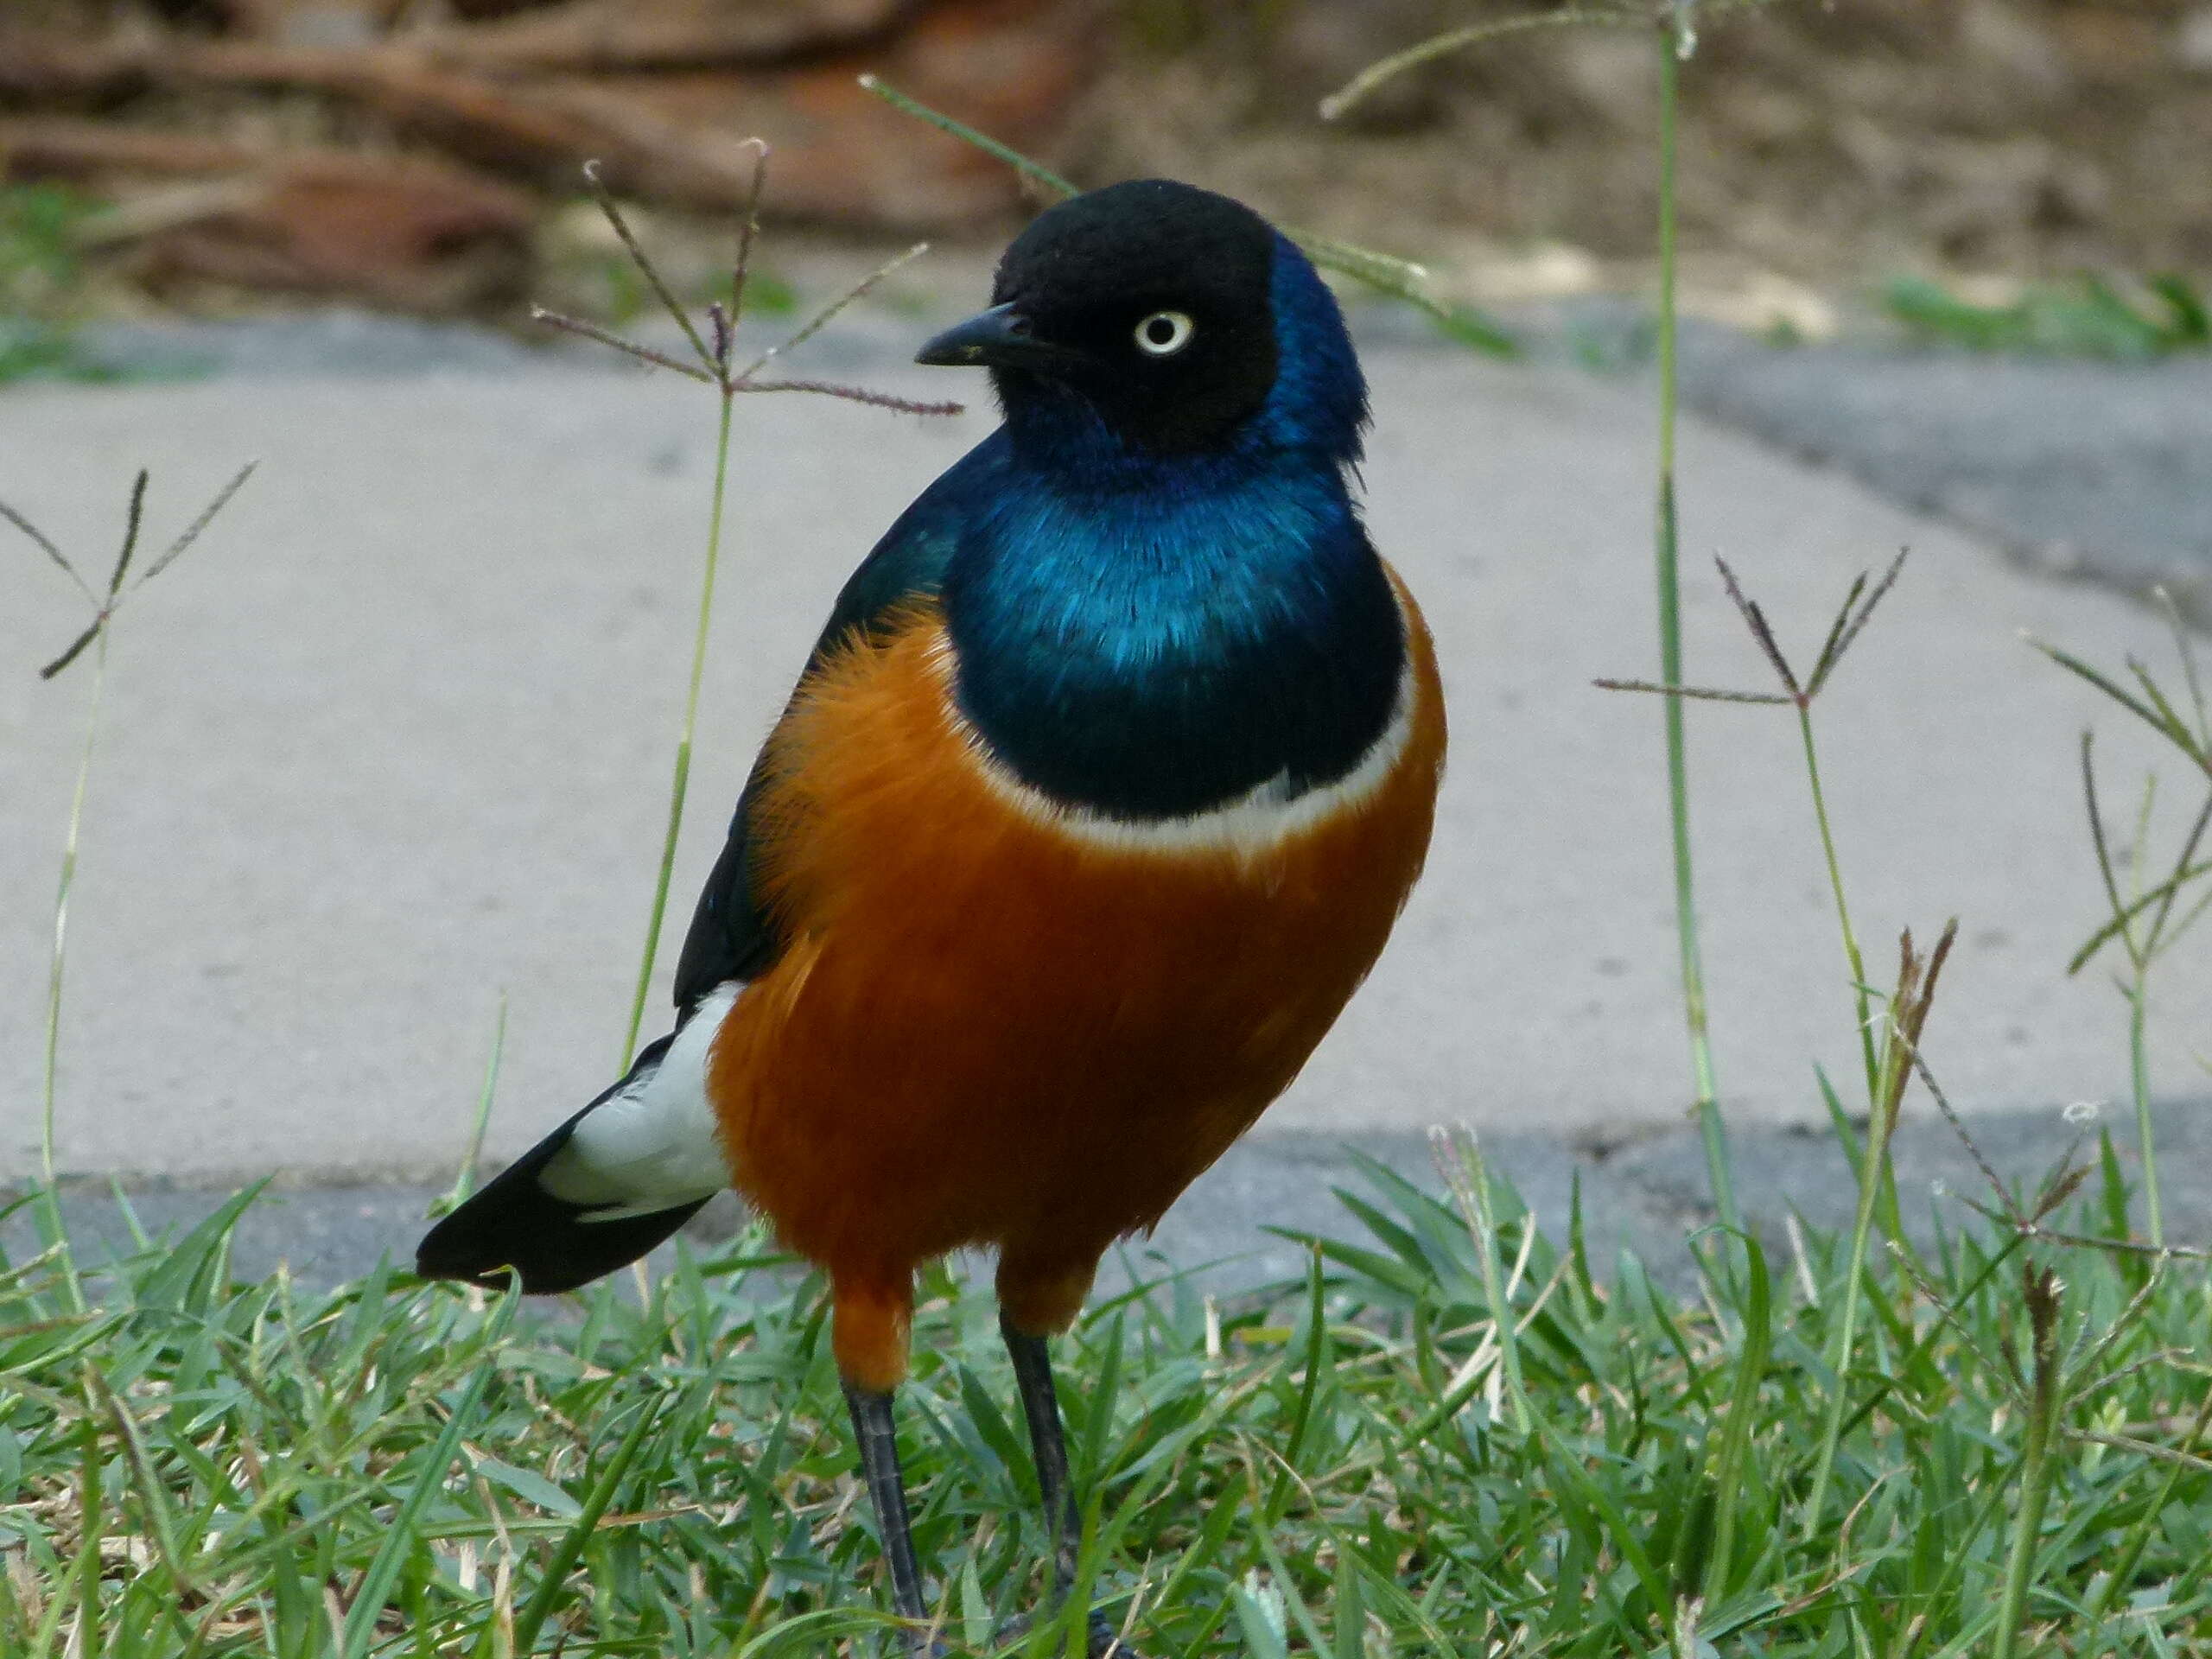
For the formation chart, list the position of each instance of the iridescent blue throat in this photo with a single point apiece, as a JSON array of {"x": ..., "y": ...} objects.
[{"x": 1153, "y": 636}]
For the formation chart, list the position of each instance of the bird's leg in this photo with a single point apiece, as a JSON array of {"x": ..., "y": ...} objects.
[
  {"x": 887, "y": 1490},
  {"x": 1040, "y": 1404},
  {"x": 872, "y": 1314}
]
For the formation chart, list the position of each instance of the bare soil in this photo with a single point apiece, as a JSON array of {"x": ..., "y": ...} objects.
[
  {"x": 1824, "y": 145},
  {"x": 1819, "y": 140}
]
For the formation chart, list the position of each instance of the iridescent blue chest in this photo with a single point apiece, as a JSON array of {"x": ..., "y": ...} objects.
[
  {"x": 1151, "y": 633},
  {"x": 1152, "y": 652}
]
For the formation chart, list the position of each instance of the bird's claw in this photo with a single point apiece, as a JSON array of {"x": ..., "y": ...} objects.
[{"x": 1105, "y": 1640}]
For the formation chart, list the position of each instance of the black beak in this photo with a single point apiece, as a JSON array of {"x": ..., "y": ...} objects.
[{"x": 998, "y": 338}]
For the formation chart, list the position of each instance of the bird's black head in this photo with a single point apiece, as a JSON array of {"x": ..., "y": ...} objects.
[{"x": 1155, "y": 302}]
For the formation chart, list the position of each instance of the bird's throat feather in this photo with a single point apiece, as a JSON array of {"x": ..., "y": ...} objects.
[{"x": 1156, "y": 655}]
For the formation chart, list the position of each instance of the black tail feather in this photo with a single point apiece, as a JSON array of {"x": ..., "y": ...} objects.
[{"x": 515, "y": 1226}]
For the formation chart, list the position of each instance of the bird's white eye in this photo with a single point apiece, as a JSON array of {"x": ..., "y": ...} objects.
[{"x": 1164, "y": 333}]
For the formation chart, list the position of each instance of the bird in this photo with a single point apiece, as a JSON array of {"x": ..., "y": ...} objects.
[{"x": 1101, "y": 790}]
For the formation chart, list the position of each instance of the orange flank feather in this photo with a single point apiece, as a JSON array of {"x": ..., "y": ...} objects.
[{"x": 987, "y": 1030}]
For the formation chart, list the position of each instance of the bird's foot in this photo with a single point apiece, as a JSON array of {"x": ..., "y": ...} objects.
[{"x": 1105, "y": 1640}]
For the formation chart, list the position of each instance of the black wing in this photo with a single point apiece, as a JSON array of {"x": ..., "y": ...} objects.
[
  {"x": 733, "y": 934},
  {"x": 514, "y": 1226}
]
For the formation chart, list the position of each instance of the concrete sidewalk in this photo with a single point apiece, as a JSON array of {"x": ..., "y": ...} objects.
[
  {"x": 394, "y": 740},
  {"x": 1647, "y": 1198}
]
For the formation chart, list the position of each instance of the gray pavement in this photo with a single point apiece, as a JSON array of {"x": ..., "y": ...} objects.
[
  {"x": 1647, "y": 1198},
  {"x": 394, "y": 741},
  {"x": 2095, "y": 471},
  {"x": 2086, "y": 469}
]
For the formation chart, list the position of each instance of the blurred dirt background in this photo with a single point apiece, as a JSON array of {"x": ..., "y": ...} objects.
[{"x": 423, "y": 155}]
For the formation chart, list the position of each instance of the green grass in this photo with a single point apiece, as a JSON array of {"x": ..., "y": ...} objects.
[
  {"x": 2087, "y": 318},
  {"x": 41, "y": 271},
  {"x": 203, "y": 1467},
  {"x": 1458, "y": 1436}
]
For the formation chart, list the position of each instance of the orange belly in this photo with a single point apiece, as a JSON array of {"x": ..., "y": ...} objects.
[{"x": 986, "y": 1030}]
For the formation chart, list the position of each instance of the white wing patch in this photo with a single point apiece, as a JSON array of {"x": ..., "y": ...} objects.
[{"x": 655, "y": 1144}]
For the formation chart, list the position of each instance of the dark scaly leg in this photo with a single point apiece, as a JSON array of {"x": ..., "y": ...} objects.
[
  {"x": 887, "y": 1490},
  {"x": 872, "y": 1308},
  {"x": 1040, "y": 1404}
]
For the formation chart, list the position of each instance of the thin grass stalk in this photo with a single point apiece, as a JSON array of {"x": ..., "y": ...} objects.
[
  {"x": 1892, "y": 1217},
  {"x": 53, "y": 1230},
  {"x": 2036, "y": 1469},
  {"x": 714, "y": 367},
  {"x": 2139, "y": 1072},
  {"x": 2136, "y": 989},
  {"x": 680, "y": 785},
  {"x": 464, "y": 1180},
  {"x": 1855, "y": 962},
  {"x": 1908, "y": 1021},
  {"x": 1468, "y": 1172},
  {"x": 70, "y": 1598},
  {"x": 402, "y": 1532},
  {"x": 1711, "y": 1130},
  {"x": 1727, "y": 1468},
  {"x": 85, "y": 1638},
  {"x": 2137, "y": 992},
  {"x": 1873, "y": 1158},
  {"x": 2160, "y": 714},
  {"x": 2122, "y": 1573},
  {"x": 2139, "y": 1058},
  {"x": 1035, "y": 171},
  {"x": 2158, "y": 938},
  {"x": 95, "y": 637},
  {"x": 1338, "y": 102},
  {"x": 156, "y": 1523},
  {"x": 552, "y": 1585},
  {"x": 1402, "y": 279}
]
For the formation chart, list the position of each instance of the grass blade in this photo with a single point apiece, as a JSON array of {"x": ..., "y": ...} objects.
[
  {"x": 402, "y": 1533},
  {"x": 554, "y": 1583}
]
